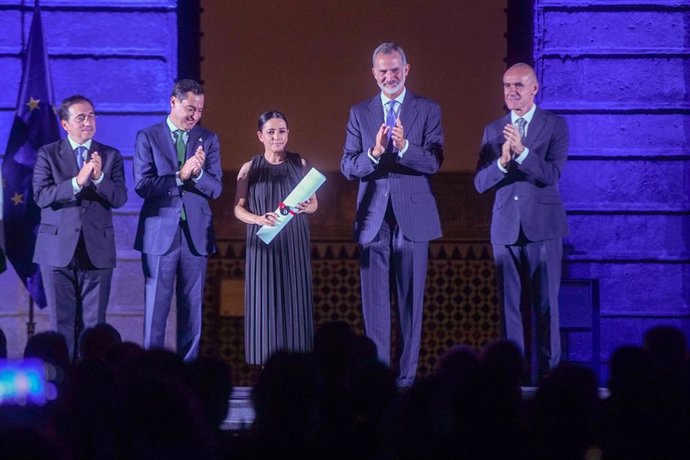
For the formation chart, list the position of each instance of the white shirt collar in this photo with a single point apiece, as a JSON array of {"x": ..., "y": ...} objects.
[
  {"x": 174, "y": 128},
  {"x": 527, "y": 117},
  {"x": 385, "y": 99},
  {"x": 74, "y": 144}
]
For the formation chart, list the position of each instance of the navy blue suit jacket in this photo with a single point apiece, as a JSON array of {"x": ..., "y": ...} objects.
[
  {"x": 65, "y": 215},
  {"x": 405, "y": 180},
  {"x": 528, "y": 194},
  {"x": 155, "y": 165}
]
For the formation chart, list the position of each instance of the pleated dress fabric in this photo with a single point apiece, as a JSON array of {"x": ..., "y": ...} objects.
[{"x": 278, "y": 308}]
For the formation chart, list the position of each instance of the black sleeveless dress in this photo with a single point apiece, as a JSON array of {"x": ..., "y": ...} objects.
[{"x": 278, "y": 305}]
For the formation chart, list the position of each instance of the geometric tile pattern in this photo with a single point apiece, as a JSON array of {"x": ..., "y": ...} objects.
[{"x": 460, "y": 299}]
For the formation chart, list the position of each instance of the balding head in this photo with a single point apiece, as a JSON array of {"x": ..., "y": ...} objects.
[{"x": 519, "y": 88}]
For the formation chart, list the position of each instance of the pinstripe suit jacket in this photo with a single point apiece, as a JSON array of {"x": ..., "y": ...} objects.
[{"x": 404, "y": 180}]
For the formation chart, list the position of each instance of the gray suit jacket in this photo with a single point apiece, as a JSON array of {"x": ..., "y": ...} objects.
[
  {"x": 527, "y": 196},
  {"x": 64, "y": 215}
]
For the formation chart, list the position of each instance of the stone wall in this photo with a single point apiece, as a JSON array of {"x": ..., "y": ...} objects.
[
  {"x": 122, "y": 54},
  {"x": 620, "y": 72}
]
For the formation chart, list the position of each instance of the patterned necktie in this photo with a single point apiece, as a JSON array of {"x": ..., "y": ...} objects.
[
  {"x": 80, "y": 152},
  {"x": 521, "y": 124},
  {"x": 181, "y": 156},
  {"x": 390, "y": 118}
]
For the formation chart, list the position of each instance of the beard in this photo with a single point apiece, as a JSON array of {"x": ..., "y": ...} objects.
[{"x": 391, "y": 89}]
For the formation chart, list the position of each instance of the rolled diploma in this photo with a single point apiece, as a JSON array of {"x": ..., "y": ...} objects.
[{"x": 309, "y": 184}]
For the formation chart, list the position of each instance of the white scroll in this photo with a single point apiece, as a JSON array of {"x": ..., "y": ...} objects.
[{"x": 286, "y": 210}]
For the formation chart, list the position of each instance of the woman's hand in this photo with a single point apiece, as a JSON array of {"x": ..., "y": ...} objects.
[
  {"x": 307, "y": 206},
  {"x": 268, "y": 218}
]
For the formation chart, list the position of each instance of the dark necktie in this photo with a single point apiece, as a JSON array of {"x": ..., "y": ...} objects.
[
  {"x": 521, "y": 124},
  {"x": 181, "y": 147},
  {"x": 181, "y": 156},
  {"x": 80, "y": 152}
]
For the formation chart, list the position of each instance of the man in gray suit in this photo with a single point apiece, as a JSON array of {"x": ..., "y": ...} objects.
[
  {"x": 77, "y": 182},
  {"x": 394, "y": 142},
  {"x": 522, "y": 157}
]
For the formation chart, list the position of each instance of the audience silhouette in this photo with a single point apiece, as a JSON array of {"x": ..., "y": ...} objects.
[{"x": 339, "y": 402}]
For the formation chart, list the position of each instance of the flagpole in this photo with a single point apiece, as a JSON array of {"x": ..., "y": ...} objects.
[{"x": 31, "y": 325}]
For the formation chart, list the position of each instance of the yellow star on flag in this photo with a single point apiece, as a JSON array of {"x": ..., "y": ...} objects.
[
  {"x": 33, "y": 103},
  {"x": 17, "y": 199}
]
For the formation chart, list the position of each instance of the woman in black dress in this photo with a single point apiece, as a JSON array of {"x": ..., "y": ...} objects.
[{"x": 278, "y": 306}]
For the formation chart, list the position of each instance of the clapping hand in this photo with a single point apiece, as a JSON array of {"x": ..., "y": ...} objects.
[
  {"x": 85, "y": 173},
  {"x": 97, "y": 165},
  {"x": 512, "y": 136},
  {"x": 193, "y": 165}
]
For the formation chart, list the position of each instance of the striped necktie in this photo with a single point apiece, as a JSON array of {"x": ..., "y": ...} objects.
[
  {"x": 521, "y": 124},
  {"x": 80, "y": 152},
  {"x": 390, "y": 117}
]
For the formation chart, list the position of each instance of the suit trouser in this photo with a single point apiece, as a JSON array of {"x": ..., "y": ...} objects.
[
  {"x": 77, "y": 296},
  {"x": 182, "y": 263},
  {"x": 538, "y": 264},
  {"x": 390, "y": 250}
]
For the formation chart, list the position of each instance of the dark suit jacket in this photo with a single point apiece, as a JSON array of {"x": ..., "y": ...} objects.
[
  {"x": 155, "y": 165},
  {"x": 64, "y": 214},
  {"x": 405, "y": 180},
  {"x": 528, "y": 194}
]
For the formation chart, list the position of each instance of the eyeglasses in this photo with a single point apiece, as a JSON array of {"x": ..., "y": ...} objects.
[{"x": 80, "y": 119}]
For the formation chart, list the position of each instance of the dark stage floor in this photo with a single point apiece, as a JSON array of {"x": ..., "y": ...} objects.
[{"x": 241, "y": 414}]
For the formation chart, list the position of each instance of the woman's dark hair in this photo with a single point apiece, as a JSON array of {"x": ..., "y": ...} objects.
[{"x": 269, "y": 116}]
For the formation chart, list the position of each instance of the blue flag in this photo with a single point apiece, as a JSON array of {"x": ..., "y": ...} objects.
[
  {"x": 35, "y": 124},
  {"x": 3, "y": 264}
]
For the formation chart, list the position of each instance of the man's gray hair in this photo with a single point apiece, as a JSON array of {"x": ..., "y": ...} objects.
[{"x": 388, "y": 48}]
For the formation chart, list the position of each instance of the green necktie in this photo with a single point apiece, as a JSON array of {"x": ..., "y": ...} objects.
[
  {"x": 181, "y": 147},
  {"x": 181, "y": 154}
]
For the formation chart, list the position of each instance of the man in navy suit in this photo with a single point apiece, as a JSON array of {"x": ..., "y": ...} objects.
[
  {"x": 77, "y": 182},
  {"x": 522, "y": 157},
  {"x": 176, "y": 170},
  {"x": 394, "y": 142}
]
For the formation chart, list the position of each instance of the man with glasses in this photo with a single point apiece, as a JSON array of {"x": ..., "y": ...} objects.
[
  {"x": 77, "y": 182},
  {"x": 176, "y": 170}
]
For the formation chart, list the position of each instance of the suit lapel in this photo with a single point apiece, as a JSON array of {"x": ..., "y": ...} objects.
[
  {"x": 534, "y": 127},
  {"x": 496, "y": 136},
  {"x": 408, "y": 111},
  {"x": 194, "y": 140},
  {"x": 167, "y": 145},
  {"x": 67, "y": 156},
  {"x": 98, "y": 147},
  {"x": 375, "y": 115}
]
